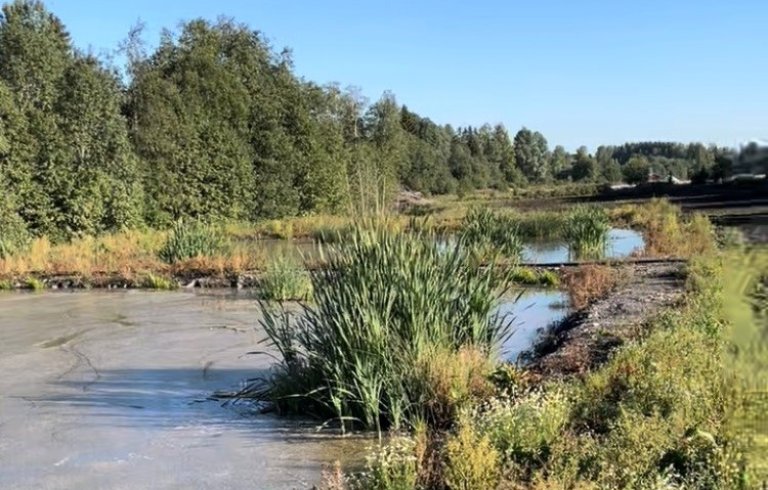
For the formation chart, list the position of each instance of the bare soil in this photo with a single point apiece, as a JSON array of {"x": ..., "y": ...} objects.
[{"x": 587, "y": 337}]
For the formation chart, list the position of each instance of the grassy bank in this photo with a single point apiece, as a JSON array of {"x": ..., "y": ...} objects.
[
  {"x": 230, "y": 249},
  {"x": 667, "y": 410},
  {"x": 747, "y": 310}
]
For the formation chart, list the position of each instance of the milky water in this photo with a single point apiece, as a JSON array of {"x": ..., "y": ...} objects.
[{"x": 110, "y": 390}]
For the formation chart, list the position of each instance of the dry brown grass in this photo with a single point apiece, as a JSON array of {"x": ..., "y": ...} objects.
[
  {"x": 586, "y": 283},
  {"x": 667, "y": 232},
  {"x": 127, "y": 254}
]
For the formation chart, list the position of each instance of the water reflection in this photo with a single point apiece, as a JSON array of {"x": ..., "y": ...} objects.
[
  {"x": 531, "y": 312},
  {"x": 621, "y": 243}
]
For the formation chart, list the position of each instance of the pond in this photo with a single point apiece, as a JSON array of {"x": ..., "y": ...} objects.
[
  {"x": 110, "y": 390},
  {"x": 530, "y": 312},
  {"x": 621, "y": 244}
]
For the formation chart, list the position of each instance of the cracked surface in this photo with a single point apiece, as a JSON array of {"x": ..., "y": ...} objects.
[{"x": 109, "y": 390}]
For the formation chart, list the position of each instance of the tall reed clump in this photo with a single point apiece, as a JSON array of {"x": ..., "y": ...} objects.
[
  {"x": 388, "y": 307},
  {"x": 586, "y": 232},
  {"x": 188, "y": 240},
  {"x": 541, "y": 225},
  {"x": 488, "y": 233},
  {"x": 285, "y": 280}
]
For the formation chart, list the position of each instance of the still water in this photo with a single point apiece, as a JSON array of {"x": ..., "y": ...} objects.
[
  {"x": 621, "y": 243},
  {"x": 109, "y": 390}
]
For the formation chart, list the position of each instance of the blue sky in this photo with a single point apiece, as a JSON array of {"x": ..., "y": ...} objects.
[{"x": 581, "y": 72}]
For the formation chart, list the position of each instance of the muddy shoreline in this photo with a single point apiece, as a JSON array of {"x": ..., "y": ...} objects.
[
  {"x": 587, "y": 337},
  {"x": 249, "y": 279}
]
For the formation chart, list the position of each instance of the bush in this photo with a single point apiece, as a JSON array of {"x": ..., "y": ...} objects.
[
  {"x": 586, "y": 283},
  {"x": 14, "y": 236},
  {"x": 393, "y": 467},
  {"x": 531, "y": 277},
  {"x": 384, "y": 303},
  {"x": 471, "y": 461},
  {"x": 668, "y": 233},
  {"x": 152, "y": 281},
  {"x": 189, "y": 240},
  {"x": 524, "y": 429}
]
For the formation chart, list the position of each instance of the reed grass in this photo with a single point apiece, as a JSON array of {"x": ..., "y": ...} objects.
[
  {"x": 487, "y": 234},
  {"x": 285, "y": 279},
  {"x": 188, "y": 240},
  {"x": 586, "y": 232},
  {"x": 386, "y": 305}
]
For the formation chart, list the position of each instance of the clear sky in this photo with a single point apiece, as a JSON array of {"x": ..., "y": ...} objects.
[{"x": 581, "y": 72}]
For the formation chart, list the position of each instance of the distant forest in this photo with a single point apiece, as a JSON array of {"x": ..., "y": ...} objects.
[{"x": 215, "y": 124}]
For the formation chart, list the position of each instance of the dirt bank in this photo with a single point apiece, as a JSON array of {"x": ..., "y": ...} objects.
[{"x": 586, "y": 337}]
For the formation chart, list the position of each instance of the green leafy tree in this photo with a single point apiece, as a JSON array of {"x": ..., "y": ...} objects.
[
  {"x": 584, "y": 166},
  {"x": 559, "y": 163},
  {"x": 636, "y": 170},
  {"x": 610, "y": 171},
  {"x": 72, "y": 168},
  {"x": 531, "y": 155}
]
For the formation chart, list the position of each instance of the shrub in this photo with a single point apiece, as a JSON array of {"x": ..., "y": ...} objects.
[
  {"x": 524, "y": 429},
  {"x": 188, "y": 240},
  {"x": 450, "y": 380},
  {"x": 14, "y": 236},
  {"x": 587, "y": 283},
  {"x": 525, "y": 275},
  {"x": 285, "y": 280},
  {"x": 668, "y": 233},
  {"x": 586, "y": 231},
  {"x": 393, "y": 467},
  {"x": 531, "y": 277},
  {"x": 34, "y": 284},
  {"x": 471, "y": 461},
  {"x": 383, "y": 303}
]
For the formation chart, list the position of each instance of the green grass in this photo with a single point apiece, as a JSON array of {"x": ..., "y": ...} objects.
[
  {"x": 153, "y": 281},
  {"x": 487, "y": 234},
  {"x": 188, "y": 240},
  {"x": 586, "y": 232},
  {"x": 284, "y": 279},
  {"x": 6, "y": 285},
  {"x": 398, "y": 331},
  {"x": 528, "y": 276},
  {"x": 747, "y": 310},
  {"x": 34, "y": 284},
  {"x": 541, "y": 225}
]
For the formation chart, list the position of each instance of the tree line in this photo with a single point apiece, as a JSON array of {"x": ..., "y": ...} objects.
[{"x": 215, "y": 124}]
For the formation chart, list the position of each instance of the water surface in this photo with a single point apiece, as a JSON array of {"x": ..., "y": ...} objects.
[
  {"x": 110, "y": 390},
  {"x": 621, "y": 243}
]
